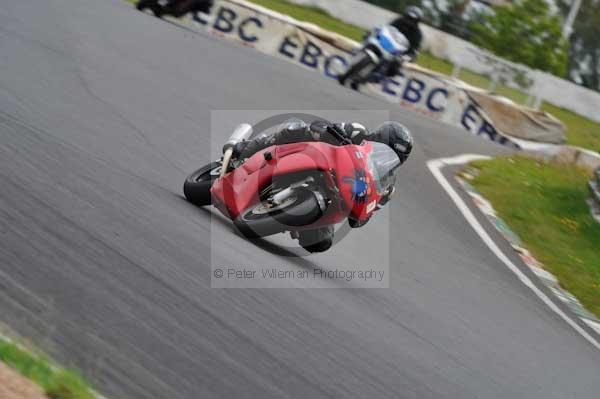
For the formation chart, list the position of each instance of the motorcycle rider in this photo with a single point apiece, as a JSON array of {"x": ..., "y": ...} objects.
[
  {"x": 408, "y": 25},
  {"x": 393, "y": 134}
]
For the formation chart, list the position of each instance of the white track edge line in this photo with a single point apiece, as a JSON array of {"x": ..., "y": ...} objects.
[{"x": 436, "y": 166}]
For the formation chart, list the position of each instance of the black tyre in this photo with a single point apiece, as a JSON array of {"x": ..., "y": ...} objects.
[
  {"x": 261, "y": 220},
  {"x": 353, "y": 71},
  {"x": 318, "y": 240},
  {"x": 197, "y": 186},
  {"x": 321, "y": 246}
]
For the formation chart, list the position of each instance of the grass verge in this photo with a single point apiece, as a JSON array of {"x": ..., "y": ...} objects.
[
  {"x": 545, "y": 204},
  {"x": 581, "y": 131},
  {"x": 57, "y": 383},
  {"x": 313, "y": 15}
]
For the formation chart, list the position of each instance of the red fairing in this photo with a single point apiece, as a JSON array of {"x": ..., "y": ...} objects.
[{"x": 345, "y": 168}]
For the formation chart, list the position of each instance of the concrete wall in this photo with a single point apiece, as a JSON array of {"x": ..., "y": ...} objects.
[
  {"x": 460, "y": 52},
  {"x": 355, "y": 12}
]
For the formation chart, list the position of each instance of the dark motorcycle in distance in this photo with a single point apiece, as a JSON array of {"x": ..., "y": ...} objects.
[{"x": 175, "y": 8}]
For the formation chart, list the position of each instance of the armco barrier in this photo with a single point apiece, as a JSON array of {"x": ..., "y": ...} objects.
[{"x": 325, "y": 52}]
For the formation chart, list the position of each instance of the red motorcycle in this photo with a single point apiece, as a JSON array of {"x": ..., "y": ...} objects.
[{"x": 299, "y": 187}]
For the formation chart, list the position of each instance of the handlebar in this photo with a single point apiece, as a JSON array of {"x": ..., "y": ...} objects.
[{"x": 337, "y": 133}]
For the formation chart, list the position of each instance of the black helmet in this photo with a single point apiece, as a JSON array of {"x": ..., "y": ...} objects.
[
  {"x": 413, "y": 13},
  {"x": 396, "y": 136}
]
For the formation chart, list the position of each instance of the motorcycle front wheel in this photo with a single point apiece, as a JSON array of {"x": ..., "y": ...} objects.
[
  {"x": 264, "y": 219},
  {"x": 318, "y": 240},
  {"x": 197, "y": 185},
  {"x": 354, "y": 70}
]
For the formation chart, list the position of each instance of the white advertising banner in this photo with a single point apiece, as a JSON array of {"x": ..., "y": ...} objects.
[{"x": 328, "y": 54}]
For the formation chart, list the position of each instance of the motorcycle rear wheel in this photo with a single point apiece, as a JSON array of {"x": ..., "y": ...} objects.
[
  {"x": 263, "y": 219},
  {"x": 197, "y": 185}
]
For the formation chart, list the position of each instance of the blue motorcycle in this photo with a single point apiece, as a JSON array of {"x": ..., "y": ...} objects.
[{"x": 381, "y": 47}]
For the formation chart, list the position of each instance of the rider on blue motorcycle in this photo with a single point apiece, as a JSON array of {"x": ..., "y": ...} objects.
[{"x": 408, "y": 25}]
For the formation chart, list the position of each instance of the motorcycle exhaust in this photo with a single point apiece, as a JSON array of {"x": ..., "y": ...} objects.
[{"x": 241, "y": 133}]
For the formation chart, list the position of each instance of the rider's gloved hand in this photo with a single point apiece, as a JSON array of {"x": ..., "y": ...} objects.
[
  {"x": 319, "y": 129},
  {"x": 354, "y": 131}
]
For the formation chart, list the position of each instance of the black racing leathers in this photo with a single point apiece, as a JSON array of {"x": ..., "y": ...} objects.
[
  {"x": 415, "y": 37},
  {"x": 412, "y": 32},
  {"x": 316, "y": 131}
]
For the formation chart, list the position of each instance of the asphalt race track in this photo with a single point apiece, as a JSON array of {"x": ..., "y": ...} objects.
[{"x": 104, "y": 111}]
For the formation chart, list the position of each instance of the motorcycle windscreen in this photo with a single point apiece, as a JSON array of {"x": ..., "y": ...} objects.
[
  {"x": 393, "y": 41},
  {"x": 382, "y": 162}
]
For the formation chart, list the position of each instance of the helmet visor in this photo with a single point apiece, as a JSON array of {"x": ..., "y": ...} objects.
[{"x": 382, "y": 162}]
